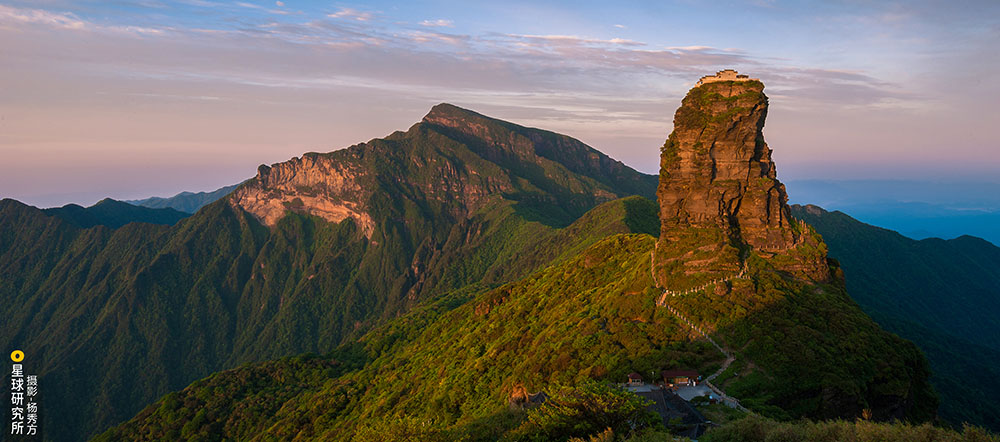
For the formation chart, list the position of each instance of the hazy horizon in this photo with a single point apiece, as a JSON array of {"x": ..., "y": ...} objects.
[{"x": 140, "y": 98}]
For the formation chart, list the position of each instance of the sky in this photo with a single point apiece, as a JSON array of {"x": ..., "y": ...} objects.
[{"x": 136, "y": 98}]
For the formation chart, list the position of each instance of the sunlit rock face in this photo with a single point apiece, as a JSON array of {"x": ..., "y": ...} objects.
[
  {"x": 718, "y": 192},
  {"x": 314, "y": 184}
]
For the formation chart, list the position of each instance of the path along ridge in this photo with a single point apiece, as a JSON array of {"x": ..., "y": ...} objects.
[{"x": 662, "y": 301}]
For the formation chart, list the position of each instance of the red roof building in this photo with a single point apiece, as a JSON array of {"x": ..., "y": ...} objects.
[{"x": 634, "y": 379}]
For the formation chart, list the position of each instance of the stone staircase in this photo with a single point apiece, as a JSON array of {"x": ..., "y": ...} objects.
[{"x": 662, "y": 302}]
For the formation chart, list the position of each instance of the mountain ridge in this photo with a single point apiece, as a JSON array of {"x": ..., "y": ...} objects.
[
  {"x": 141, "y": 310},
  {"x": 901, "y": 282},
  {"x": 114, "y": 214},
  {"x": 188, "y": 202},
  {"x": 451, "y": 365},
  {"x": 513, "y": 161}
]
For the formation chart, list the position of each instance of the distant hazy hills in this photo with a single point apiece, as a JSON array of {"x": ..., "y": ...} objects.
[
  {"x": 916, "y": 209},
  {"x": 942, "y": 294},
  {"x": 188, "y": 202},
  {"x": 114, "y": 214}
]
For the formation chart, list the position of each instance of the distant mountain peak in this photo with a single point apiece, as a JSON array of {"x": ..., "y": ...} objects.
[
  {"x": 188, "y": 202},
  {"x": 455, "y": 161},
  {"x": 813, "y": 209},
  {"x": 443, "y": 112},
  {"x": 469, "y": 122}
]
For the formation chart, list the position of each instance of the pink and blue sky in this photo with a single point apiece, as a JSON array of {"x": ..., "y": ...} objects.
[{"x": 134, "y": 98}]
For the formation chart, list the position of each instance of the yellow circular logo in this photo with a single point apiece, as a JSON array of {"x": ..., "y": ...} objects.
[{"x": 16, "y": 355}]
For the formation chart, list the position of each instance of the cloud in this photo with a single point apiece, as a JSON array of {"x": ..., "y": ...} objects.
[
  {"x": 826, "y": 88},
  {"x": 692, "y": 48},
  {"x": 439, "y": 23},
  {"x": 620, "y": 26},
  {"x": 67, "y": 21},
  {"x": 37, "y": 16},
  {"x": 359, "y": 68},
  {"x": 348, "y": 45},
  {"x": 574, "y": 40},
  {"x": 279, "y": 3},
  {"x": 199, "y": 3},
  {"x": 261, "y": 8},
  {"x": 308, "y": 54},
  {"x": 351, "y": 14},
  {"x": 431, "y": 37}
]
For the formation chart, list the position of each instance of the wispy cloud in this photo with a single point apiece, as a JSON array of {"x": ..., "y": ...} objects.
[
  {"x": 309, "y": 81},
  {"x": 573, "y": 40},
  {"x": 439, "y": 23},
  {"x": 693, "y": 48},
  {"x": 354, "y": 46},
  {"x": 66, "y": 21},
  {"x": 58, "y": 20},
  {"x": 434, "y": 37},
  {"x": 351, "y": 14},
  {"x": 262, "y": 8}
]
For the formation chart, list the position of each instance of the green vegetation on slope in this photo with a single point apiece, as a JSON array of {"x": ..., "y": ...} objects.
[
  {"x": 452, "y": 366},
  {"x": 754, "y": 429},
  {"x": 591, "y": 408},
  {"x": 162, "y": 306},
  {"x": 115, "y": 318},
  {"x": 789, "y": 332},
  {"x": 950, "y": 284},
  {"x": 121, "y": 316},
  {"x": 942, "y": 295},
  {"x": 757, "y": 429},
  {"x": 592, "y": 316}
]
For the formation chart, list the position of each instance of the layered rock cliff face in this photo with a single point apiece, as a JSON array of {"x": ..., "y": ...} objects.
[
  {"x": 314, "y": 185},
  {"x": 738, "y": 264},
  {"x": 719, "y": 194}
]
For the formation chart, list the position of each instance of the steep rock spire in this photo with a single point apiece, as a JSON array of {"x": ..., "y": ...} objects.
[{"x": 719, "y": 194}]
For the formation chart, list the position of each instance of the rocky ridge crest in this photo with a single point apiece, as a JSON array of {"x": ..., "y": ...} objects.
[{"x": 454, "y": 161}]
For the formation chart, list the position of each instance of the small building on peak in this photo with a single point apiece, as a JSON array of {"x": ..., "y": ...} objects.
[
  {"x": 634, "y": 379},
  {"x": 725, "y": 75}
]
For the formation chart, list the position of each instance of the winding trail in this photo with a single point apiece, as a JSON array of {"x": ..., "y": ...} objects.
[{"x": 730, "y": 357}]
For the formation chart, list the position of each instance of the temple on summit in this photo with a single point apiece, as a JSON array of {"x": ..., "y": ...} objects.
[{"x": 725, "y": 75}]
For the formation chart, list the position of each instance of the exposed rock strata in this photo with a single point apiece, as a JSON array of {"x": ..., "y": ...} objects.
[
  {"x": 313, "y": 184},
  {"x": 718, "y": 192}
]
